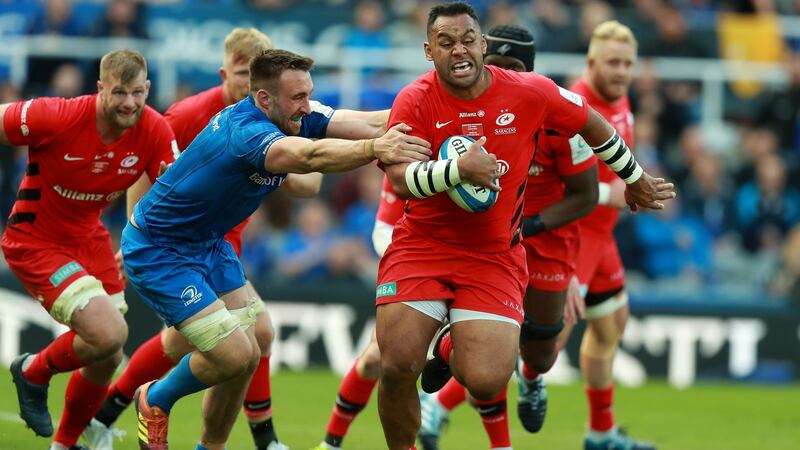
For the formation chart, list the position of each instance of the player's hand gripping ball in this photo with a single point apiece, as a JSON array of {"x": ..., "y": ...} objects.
[{"x": 470, "y": 197}]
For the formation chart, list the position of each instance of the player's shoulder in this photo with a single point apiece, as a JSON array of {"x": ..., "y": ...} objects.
[
  {"x": 152, "y": 119},
  {"x": 80, "y": 105},
  {"x": 200, "y": 101}
]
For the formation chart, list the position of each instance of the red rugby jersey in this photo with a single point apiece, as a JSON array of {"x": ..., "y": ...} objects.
[
  {"x": 508, "y": 113},
  {"x": 71, "y": 174},
  {"x": 551, "y": 162},
  {"x": 390, "y": 208},
  {"x": 187, "y": 118},
  {"x": 618, "y": 114}
]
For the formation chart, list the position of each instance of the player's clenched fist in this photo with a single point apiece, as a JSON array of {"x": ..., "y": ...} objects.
[
  {"x": 479, "y": 167},
  {"x": 397, "y": 146},
  {"x": 648, "y": 192}
]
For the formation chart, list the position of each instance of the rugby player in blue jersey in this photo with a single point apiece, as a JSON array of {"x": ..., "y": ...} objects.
[{"x": 173, "y": 248}]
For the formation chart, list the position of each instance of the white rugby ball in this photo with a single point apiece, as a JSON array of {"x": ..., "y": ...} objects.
[{"x": 470, "y": 197}]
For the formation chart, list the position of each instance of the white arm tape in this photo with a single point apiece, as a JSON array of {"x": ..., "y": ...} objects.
[
  {"x": 428, "y": 178},
  {"x": 604, "y": 193},
  {"x": 616, "y": 155}
]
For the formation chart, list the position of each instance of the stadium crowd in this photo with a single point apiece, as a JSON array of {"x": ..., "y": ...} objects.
[{"x": 736, "y": 220}]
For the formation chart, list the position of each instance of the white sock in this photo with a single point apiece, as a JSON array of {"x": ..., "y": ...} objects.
[{"x": 58, "y": 446}]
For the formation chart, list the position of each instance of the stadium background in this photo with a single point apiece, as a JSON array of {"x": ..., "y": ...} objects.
[{"x": 714, "y": 284}]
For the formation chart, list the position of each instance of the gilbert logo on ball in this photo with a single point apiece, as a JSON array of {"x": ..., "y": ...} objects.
[{"x": 470, "y": 197}]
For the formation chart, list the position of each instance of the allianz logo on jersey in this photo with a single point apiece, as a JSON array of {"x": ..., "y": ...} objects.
[
  {"x": 87, "y": 196},
  {"x": 191, "y": 295},
  {"x": 275, "y": 180}
]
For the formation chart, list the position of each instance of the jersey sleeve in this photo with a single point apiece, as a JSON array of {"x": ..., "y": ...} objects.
[
  {"x": 391, "y": 207},
  {"x": 315, "y": 125},
  {"x": 572, "y": 155},
  {"x": 34, "y": 122},
  {"x": 165, "y": 148},
  {"x": 567, "y": 111},
  {"x": 252, "y": 142},
  {"x": 409, "y": 109}
]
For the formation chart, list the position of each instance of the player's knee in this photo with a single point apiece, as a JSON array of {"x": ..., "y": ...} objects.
[
  {"x": 531, "y": 331},
  {"x": 399, "y": 368},
  {"x": 369, "y": 364},
  {"x": 485, "y": 383},
  {"x": 264, "y": 335},
  {"x": 539, "y": 361}
]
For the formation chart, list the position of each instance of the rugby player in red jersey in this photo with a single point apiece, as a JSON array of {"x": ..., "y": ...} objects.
[
  {"x": 159, "y": 354},
  {"x": 444, "y": 261},
  {"x": 609, "y": 71},
  {"x": 359, "y": 381},
  {"x": 83, "y": 154},
  {"x": 561, "y": 187}
]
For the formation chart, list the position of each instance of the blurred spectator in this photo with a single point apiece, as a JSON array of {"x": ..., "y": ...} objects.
[
  {"x": 766, "y": 207},
  {"x": 274, "y": 5},
  {"x": 368, "y": 29},
  {"x": 12, "y": 161},
  {"x": 673, "y": 37},
  {"x": 781, "y": 111},
  {"x": 359, "y": 217},
  {"x": 500, "y": 13},
  {"x": 122, "y": 19},
  {"x": 552, "y": 26},
  {"x": 56, "y": 18},
  {"x": 67, "y": 82},
  {"x": 674, "y": 245},
  {"x": 787, "y": 280},
  {"x": 258, "y": 253},
  {"x": 305, "y": 250},
  {"x": 708, "y": 195}
]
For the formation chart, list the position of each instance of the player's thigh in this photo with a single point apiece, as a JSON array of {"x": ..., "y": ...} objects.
[
  {"x": 485, "y": 352},
  {"x": 403, "y": 334},
  {"x": 544, "y": 307}
]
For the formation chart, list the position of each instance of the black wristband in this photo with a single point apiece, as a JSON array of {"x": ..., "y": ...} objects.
[{"x": 532, "y": 225}]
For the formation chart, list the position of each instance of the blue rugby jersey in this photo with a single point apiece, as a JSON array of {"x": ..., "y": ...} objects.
[{"x": 220, "y": 179}]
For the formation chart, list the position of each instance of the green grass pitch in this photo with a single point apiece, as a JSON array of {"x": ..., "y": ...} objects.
[{"x": 708, "y": 416}]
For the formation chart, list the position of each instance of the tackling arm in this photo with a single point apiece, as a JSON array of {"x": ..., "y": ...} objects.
[
  {"x": 300, "y": 155},
  {"x": 349, "y": 124}
]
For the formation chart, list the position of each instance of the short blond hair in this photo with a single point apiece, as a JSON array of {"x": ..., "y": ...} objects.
[
  {"x": 611, "y": 30},
  {"x": 124, "y": 65},
  {"x": 244, "y": 44}
]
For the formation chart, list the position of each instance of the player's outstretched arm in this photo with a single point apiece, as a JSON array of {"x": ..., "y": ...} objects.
[
  {"x": 643, "y": 191},
  {"x": 579, "y": 199},
  {"x": 3, "y": 135},
  {"x": 303, "y": 185},
  {"x": 424, "y": 179},
  {"x": 350, "y": 124},
  {"x": 300, "y": 155}
]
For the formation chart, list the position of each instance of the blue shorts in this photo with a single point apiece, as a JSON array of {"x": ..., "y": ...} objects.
[{"x": 177, "y": 282}]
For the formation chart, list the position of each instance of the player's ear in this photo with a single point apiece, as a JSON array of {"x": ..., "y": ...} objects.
[
  {"x": 484, "y": 45},
  {"x": 99, "y": 86},
  {"x": 428, "y": 54},
  {"x": 223, "y": 74},
  {"x": 146, "y": 88}
]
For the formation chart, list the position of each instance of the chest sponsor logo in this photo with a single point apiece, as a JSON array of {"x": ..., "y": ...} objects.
[
  {"x": 129, "y": 161},
  {"x": 479, "y": 113},
  {"x": 106, "y": 155},
  {"x": 65, "y": 272},
  {"x": 502, "y": 167},
  {"x": 504, "y": 131},
  {"x": 67, "y": 157},
  {"x": 191, "y": 295},
  {"x": 275, "y": 180},
  {"x": 87, "y": 196},
  {"x": 505, "y": 119},
  {"x": 440, "y": 124},
  {"x": 472, "y": 129}
]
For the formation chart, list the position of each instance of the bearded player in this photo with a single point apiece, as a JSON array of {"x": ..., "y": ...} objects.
[
  {"x": 83, "y": 153},
  {"x": 154, "y": 358}
]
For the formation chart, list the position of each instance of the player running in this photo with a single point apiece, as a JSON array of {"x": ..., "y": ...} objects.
[
  {"x": 359, "y": 381},
  {"x": 561, "y": 187},
  {"x": 173, "y": 247},
  {"x": 83, "y": 154},
  {"x": 444, "y": 261},
  {"x": 154, "y": 358},
  {"x": 604, "y": 84}
]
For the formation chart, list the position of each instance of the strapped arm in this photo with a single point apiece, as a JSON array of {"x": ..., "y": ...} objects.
[
  {"x": 619, "y": 158},
  {"x": 425, "y": 179}
]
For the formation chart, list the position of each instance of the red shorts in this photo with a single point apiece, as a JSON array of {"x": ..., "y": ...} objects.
[
  {"x": 551, "y": 258},
  {"x": 599, "y": 266},
  {"x": 417, "y": 268},
  {"x": 47, "y": 269}
]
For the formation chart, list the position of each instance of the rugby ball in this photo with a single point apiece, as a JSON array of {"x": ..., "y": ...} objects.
[{"x": 470, "y": 197}]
